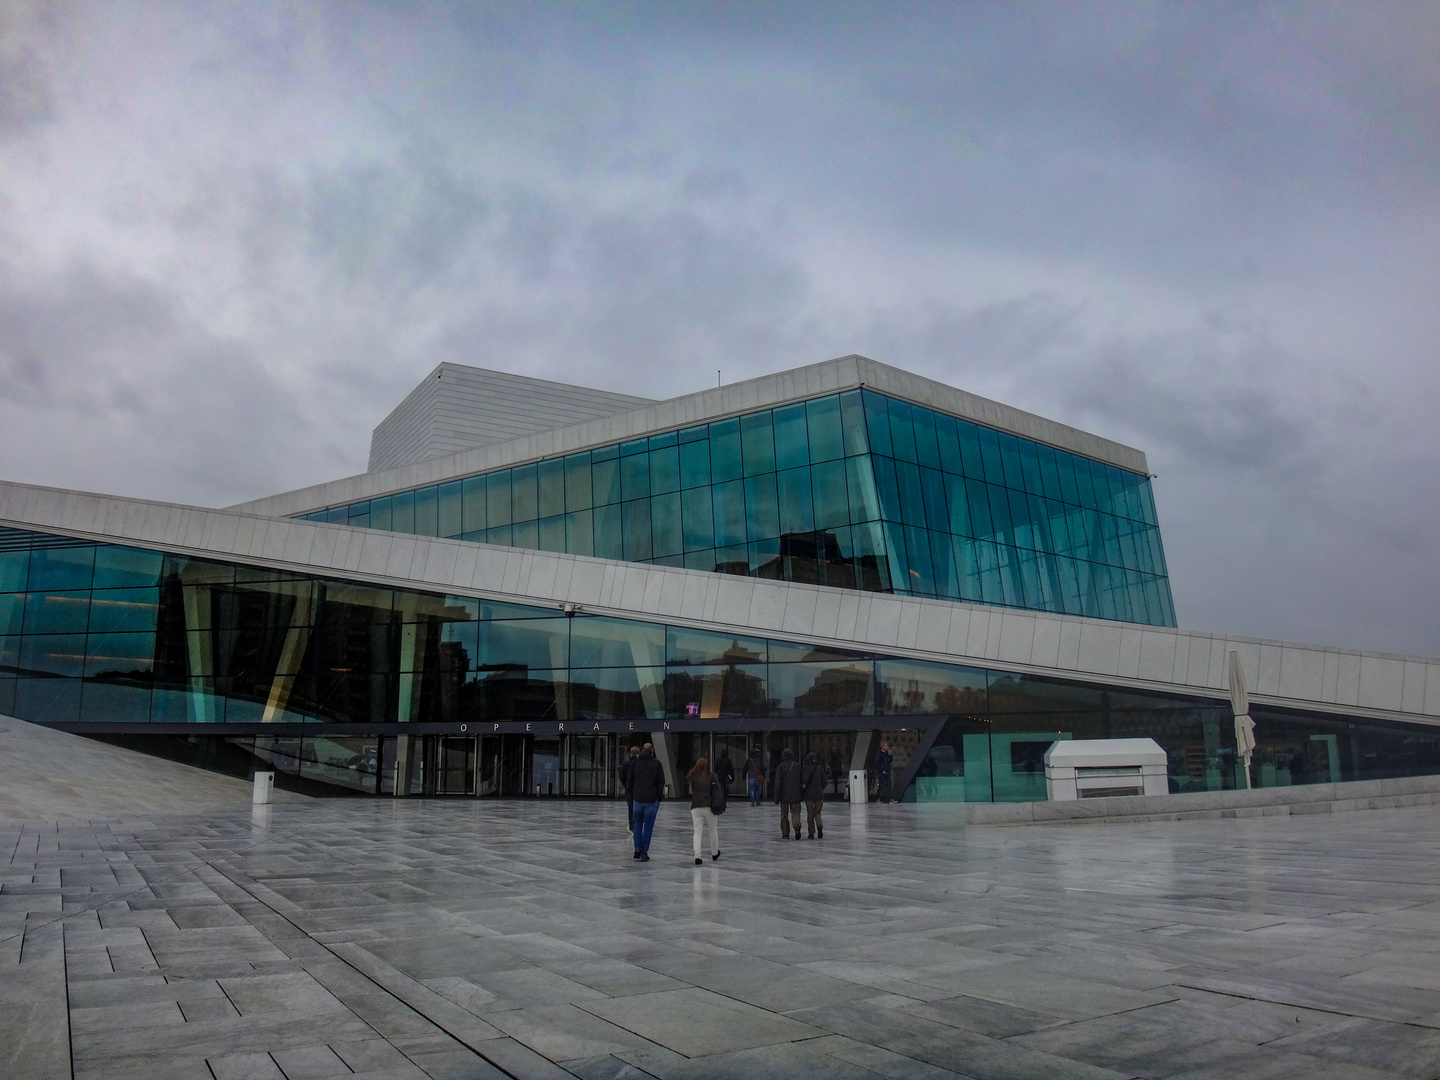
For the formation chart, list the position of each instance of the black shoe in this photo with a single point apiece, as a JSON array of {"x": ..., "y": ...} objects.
[
  {"x": 797, "y": 836},
  {"x": 699, "y": 861},
  {"x": 820, "y": 833},
  {"x": 811, "y": 836},
  {"x": 715, "y": 857},
  {"x": 644, "y": 858},
  {"x": 637, "y": 854}
]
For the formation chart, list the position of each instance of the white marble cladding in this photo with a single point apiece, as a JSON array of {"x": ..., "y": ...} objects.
[
  {"x": 1118, "y": 654},
  {"x": 828, "y": 377}
]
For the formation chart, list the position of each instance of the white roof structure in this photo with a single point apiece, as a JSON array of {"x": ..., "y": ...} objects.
[{"x": 1089, "y": 753}]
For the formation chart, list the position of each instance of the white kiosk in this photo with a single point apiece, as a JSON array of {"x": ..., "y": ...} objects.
[{"x": 1101, "y": 768}]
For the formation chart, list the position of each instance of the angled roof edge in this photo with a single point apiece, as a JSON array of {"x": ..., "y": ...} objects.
[
  {"x": 1340, "y": 681},
  {"x": 826, "y": 377}
]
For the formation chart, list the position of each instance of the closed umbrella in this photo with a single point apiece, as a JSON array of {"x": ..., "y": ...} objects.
[{"x": 1244, "y": 726}]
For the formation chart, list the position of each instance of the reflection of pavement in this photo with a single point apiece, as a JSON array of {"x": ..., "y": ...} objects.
[{"x": 463, "y": 938}]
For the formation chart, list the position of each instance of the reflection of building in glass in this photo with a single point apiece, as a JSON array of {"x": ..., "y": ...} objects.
[{"x": 814, "y": 561}]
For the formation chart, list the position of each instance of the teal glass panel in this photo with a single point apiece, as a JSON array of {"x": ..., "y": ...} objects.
[
  {"x": 525, "y": 534},
  {"x": 834, "y": 688},
  {"x": 1030, "y": 467},
  {"x": 635, "y": 476},
  {"x": 864, "y": 499},
  {"x": 552, "y": 533},
  {"x": 728, "y": 503},
  {"x": 665, "y": 533},
  {"x": 886, "y": 487},
  {"x": 822, "y": 420},
  {"x": 605, "y": 453},
  {"x": 119, "y": 567},
  {"x": 1010, "y": 460},
  {"x": 877, "y": 423},
  {"x": 524, "y": 643},
  {"x": 1085, "y": 482},
  {"x": 119, "y": 654},
  {"x": 757, "y": 438},
  {"x": 872, "y": 558},
  {"x": 451, "y": 509},
  {"x": 922, "y": 571},
  {"x": 1065, "y": 470},
  {"x": 732, "y": 560},
  {"x": 797, "y": 511},
  {"x": 668, "y": 438},
  {"x": 664, "y": 470},
  {"x": 852, "y": 423},
  {"x": 525, "y": 493},
  {"x": 57, "y": 613},
  {"x": 634, "y": 446},
  {"x": 52, "y": 654},
  {"x": 48, "y": 700},
  {"x": 957, "y": 504},
  {"x": 1029, "y": 580},
  {"x": 1000, "y": 513},
  {"x": 12, "y": 613},
  {"x": 1020, "y": 534},
  {"x": 427, "y": 512},
  {"x": 1039, "y": 523},
  {"x": 605, "y": 481},
  {"x": 1010, "y": 575},
  {"x": 359, "y": 520},
  {"x": 932, "y": 487},
  {"x": 702, "y": 559},
  {"x": 577, "y": 482},
  {"x": 912, "y": 498},
  {"x": 504, "y": 536},
  {"x": 1147, "y": 503},
  {"x": 901, "y": 578},
  {"x": 9, "y": 654},
  {"x": 609, "y": 532},
  {"x": 402, "y": 512},
  {"x": 61, "y": 568},
  {"x": 695, "y": 463},
  {"x": 764, "y": 559},
  {"x": 1049, "y": 473},
  {"x": 792, "y": 440},
  {"x": 472, "y": 495},
  {"x": 637, "y": 528},
  {"x": 967, "y": 569},
  {"x": 762, "y": 517},
  {"x": 116, "y": 610},
  {"x": 698, "y": 647},
  {"x": 914, "y": 687},
  {"x": 902, "y": 430},
  {"x": 1059, "y": 526},
  {"x": 725, "y": 451},
  {"x": 552, "y": 487},
  {"x": 14, "y": 567},
  {"x": 699, "y": 433},
  {"x": 598, "y": 642},
  {"x": 971, "y": 459},
  {"x": 994, "y": 468},
  {"x": 340, "y": 515},
  {"x": 927, "y": 447},
  {"x": 580, "y": 532},
  {"x": 832, "y": 509},
  {"x": 498, "y": 507},
  {"x": 698, "y": 517},
  {"x": 942, "y": 562}
]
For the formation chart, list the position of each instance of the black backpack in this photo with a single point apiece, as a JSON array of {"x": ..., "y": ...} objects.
[{"x": 717, "y": 796}]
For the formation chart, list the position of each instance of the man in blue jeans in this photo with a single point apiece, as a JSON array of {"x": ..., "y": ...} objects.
[{"x": 647, "y": 788}]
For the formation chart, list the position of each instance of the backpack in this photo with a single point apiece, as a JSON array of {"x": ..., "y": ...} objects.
[{"x": 717, "y": 796}]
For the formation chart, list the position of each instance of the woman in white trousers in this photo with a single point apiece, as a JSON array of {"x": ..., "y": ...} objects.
[{"x": 702, "y": 782}]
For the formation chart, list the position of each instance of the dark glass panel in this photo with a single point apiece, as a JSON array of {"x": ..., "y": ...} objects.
[
  {"x": 14, "y": 567},
  {"x": 402, "y": 512},
  {"x": 1010, "y": 458},
  {"x": 503, "y": 536},
  {"x": 886, "y": 488},
  {"x": 48, "y": 701},
  {"x": 932, "y": 485},
  {"x": 797, "y": 512},
  {"x": 621, "y": 693},
  {"x": 380, "y": 515},
  {"x": 635, "y": 476},
  {"x": 901, "y": 579},
  {"x": 552, "y": 487},
  {"x": 703, "y": 559},
  {"x": 118, "y": 656},
  {"x": 525, "y": 534},
  {"x": 116, "y": 701},
  {"x": 522, "y": 644},
  {"x": 757, "y": 437},
  {"x": 665, "y": 531},
  {"x": 1049, "y": 473},
  {"x": 877, "y": 423},
  {"x": 12, "y": 613},
  {"x": 124, "y": 567},
  {"x": 1022, "y": 535},
  {"x": 664, "y": 470},
  {"x": 698, "y": 517},
  {"x": 52, "y": 654},
  {"x": 987, "y": 559},
  {"x": 552, "y": 534},
  {"x": 1030, "y": 467},
  {"x": 733, "y": 559},
  {"x": 765, "y": 561},
  {"x": 700, "y": 433},
  {"x": 914, "y": 687},
  {"x": 971, "y": 457},
  {"x": 922, "y": 572},
  {"x": 605, "y": 481},
  {"x": 872, "y": 561},
  {"x": 451, "y": 518},
  {"x": 506, "y": 694},
  {"x": 7, "y": 692},
  {"x": 61, "y": 568},
  {"x": 580, "y": 532},
  {"x": 604, "y": 642},
  {"x": 1065, "y": 469},
  {"x": 668, "y": 438},
  {"x": 942, "y": 560},
  {"x": 608, "y": 533},
  {"x": 577, "y": 482},
  {"x": 1085, "y": 484},
  {"x": 427, "y": 511},
  {"x": 762, "y": 518},
  {"x": 634, "y": 446},
  {"x": 1000, "y": 513},
  {"x": 957, "y": 504},
  {"x": 525, "y": 493},
  {"x": 472, "y": 494},
  {"x": 792, "y": 439},
  {"x": 57, "y": 613},
  {"x": 843, "y": 688},
  {"x": 967, "y": 569},
  {"x": 695, "y": 647},
  {"x": 832, "y": 509},
  {"x": 902, "y": 430},
  {"x": 115, "y": 610},
  {"x": 948, "y": 441},
  {"x": 494, "y": 610},
  {"x": 927, "y": 447},
  {"x": 695, "y": 463},
  {"x": 912, "y": 497},
  {"x": 852, "y": 421},
  {"x": 994, "y": 468},
  {"x": 499, "y": 509},
  {"x": 822, "y": 419},
  {"x": 637, "y": 527},
  {"x": 712, "y": 693},
  {"x": 725, "y": 450}
]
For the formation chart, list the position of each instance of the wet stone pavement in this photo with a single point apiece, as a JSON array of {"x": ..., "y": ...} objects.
[{"x": 486, "y": 939}]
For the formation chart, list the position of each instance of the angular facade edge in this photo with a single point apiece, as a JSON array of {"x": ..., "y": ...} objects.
[
  {"x": 1339, "y": 681},
  {"x": 767, "y": 391}
]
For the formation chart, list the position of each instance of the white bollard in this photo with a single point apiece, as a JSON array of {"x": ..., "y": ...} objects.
[
  {"x": 859, "y": 787},
  {"x": 264, "y": 785}
]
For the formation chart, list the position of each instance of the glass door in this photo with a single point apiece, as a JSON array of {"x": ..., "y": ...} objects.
[
  {"x": 587, "y": 765},
  {"x": 455, "y": 772}
]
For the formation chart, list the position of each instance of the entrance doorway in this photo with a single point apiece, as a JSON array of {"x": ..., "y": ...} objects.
[
  {"x": 455, "y": 772},
  {"x": 587, "y": 765}
]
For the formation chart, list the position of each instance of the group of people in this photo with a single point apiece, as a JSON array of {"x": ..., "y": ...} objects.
[{"x": 795, "y": 784}]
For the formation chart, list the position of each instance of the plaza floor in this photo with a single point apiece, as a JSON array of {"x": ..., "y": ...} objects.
[{"x": 484, "y": 939}]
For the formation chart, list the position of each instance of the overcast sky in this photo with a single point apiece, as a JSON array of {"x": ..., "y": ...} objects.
[{"x": 232, "y": 237}]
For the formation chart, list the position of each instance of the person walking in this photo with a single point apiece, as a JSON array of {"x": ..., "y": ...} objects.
[
  {"x": 627, "y": 784},
  {"x": 788, "y": 793},
  {"x": 883, "y": 762},
  {"x": 725, "y": 770},
  {"x": 755, "y": 776},
  {"x": 705, "y": 794},
  {"x": 812, "y": 788},
  {"x": 647, "y": 788}
]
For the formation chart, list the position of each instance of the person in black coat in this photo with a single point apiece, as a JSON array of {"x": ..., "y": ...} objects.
[
  {"x": 647, "y": 788},
  {"x": 755, "y": 776},
  {"x": 626, "y": 785},
  {"x": 883, "y": 763},
  {"x": 788, "y": 793},
  {"x": 725, "y": 770},
  {"x": 812, "y": 788}
]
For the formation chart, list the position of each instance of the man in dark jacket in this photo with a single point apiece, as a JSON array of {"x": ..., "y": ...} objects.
[
  {"x": 788, "y": 793},
  {"x": 725, "y": 770},
  {"x": 883, "y": 763},
  {"x": 647, "y": 788},
  {"x": 812, "y": 787},
  {"x": 627, "y": 784},
  {"x": 755, "y": 775}
]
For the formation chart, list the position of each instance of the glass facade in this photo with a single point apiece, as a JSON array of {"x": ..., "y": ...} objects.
[
  {"x": 125, "y": 638},
  {"x": 855, "y": 490}
]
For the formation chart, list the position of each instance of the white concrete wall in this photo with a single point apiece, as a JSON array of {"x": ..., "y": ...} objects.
[
  {"x": 829, "y": 377},
  {"x": 1118, "y": 654}
]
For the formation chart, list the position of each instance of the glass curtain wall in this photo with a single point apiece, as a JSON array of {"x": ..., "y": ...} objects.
[
  {"x": 94, "y": 633},
  {"x": 854, "y": 490}
]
